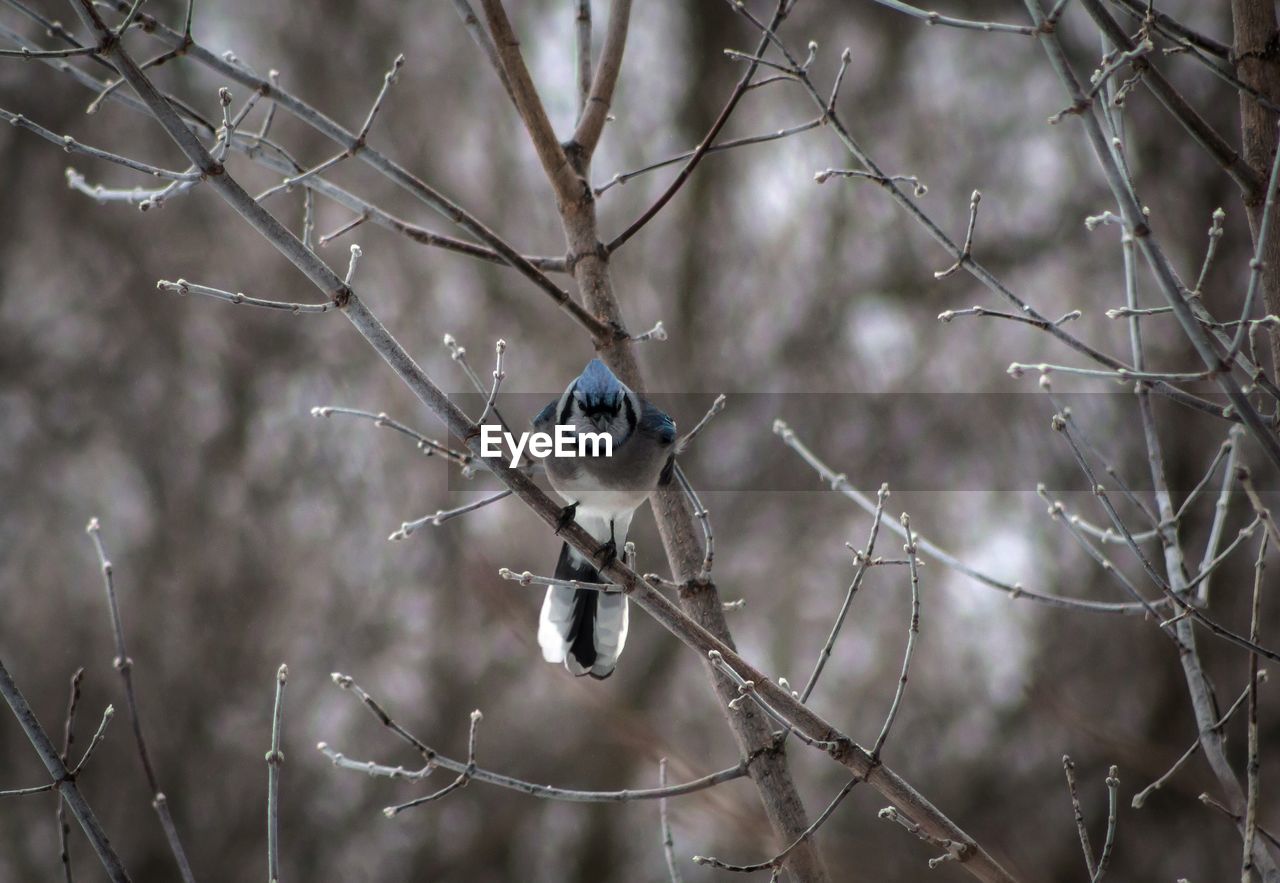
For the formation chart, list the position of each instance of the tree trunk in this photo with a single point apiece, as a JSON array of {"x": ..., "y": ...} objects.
[
  {"x": 1256, "y": 56},
  {"x": 680, "y": 538}
]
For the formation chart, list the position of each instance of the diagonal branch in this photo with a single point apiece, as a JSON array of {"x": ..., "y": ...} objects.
[
  {"x": 63, "y": 782},
  {"x": 567, "y": 183}
]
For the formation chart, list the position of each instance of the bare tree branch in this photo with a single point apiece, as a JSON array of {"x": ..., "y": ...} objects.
[
  {"x": 432, "y": 759},
  {"x": 124, "y": 665},
  {"x": 596, "y": 109},
  {"x": 668, "y": 845},
  {"x": 560, "y": 173},
  {"x": 275, "y": 760},
  {"x": 68, "y": 738},
  {"x": 934, "y": 18},
  {"x": 63, "y": 780},
  {"x": 582, "y": 51},
  {"x": 913, "y": 630},
  {"x": 839, "y": 482}
]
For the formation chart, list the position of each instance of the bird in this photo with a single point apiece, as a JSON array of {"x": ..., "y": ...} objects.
[{"x": 584, "y": 628}]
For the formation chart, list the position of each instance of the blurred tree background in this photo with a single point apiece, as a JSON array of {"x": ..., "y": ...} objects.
[{"x": 245, "y": 533}]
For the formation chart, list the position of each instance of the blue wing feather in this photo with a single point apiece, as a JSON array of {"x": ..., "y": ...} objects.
[
  {"x": 546, "y": 415},
  {"x": 656, "y": 423}
]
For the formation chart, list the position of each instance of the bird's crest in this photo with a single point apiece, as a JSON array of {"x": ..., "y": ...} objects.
[{"x": 598, "y": 380}]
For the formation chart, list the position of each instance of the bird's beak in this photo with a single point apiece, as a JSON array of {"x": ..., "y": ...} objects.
[{"x": 600, "y": 421}]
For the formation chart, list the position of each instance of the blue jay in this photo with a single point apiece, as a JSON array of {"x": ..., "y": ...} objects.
[{"x": 583, "y": 628}]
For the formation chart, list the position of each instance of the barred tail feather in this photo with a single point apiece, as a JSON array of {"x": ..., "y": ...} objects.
[{"x": 583, "y": 628}]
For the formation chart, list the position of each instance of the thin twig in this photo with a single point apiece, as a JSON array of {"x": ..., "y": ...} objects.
[
  {"x": 68, "y": 738},
  {"x": 703, "y": 514},
  {"x": 357, "y": 143},
  {"x": 428, "y": 446},
  {"x": 275, "y": 759},
  {"x": 71, "y": 145},
  {"x": 527, "y": 578},
  {"x": 1113, "y": 789},
  {"x": 747, "y": 690},
  {"x": 98, "y": 736},
  {"x": 1215, "y": 235},
  {"x": 182, "y": 286},
  {"x": 624, "y": 177},
  {"x": 1143, "y": 9},
  {"x": 482, "y": 40},
  {"x": 458, "y": 354},
  {"x": 1120, "y": 375},
  {"x": 966, "y": 251},
  {"x": 1140, "y": 798},
  {"x": 326, "y": 238},
  {"x": 776, "y": 863},
  {"x": 657, "y": 332},
  {"x": 954, "y": 851},
  {"x": 26, "y": 53},
  {"x": 356, "y": 254},
  {"x": 840, "y": 483},
  {"x": 1073, "y": 525},
  {"x": 862, "y": 561},
  {"x": 582, "y": 51},
  {"x": 1224, "y": 451},
  {"x": 1220, "y": 512},
  {"x": 498, "y": 376},
  {"x": 1069, "y": 768},
  {"x": 687, "y": 439},
  {"x": 913, "y": 631},
  {"x": 934, "y": 18},
  {"x": 668, "y": 844},
  {"x": 432, "y": 759},
  {"x": 1210, "y": 802},
  {"x": 1253, "y": 763},
  {"x": 1245, "y": 478},
  {"x": 827, "y": 174},
  {"x": 439, "y": 517},
  {"x": 1042, "y": 324},
  {"x": 124, "y": 664},
  {"x": 1084, "y": 439},
  {"x": 460, "y": 782}
]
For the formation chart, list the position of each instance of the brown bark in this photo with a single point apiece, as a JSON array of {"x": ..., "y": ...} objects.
[
  {"x": 1256, "y": 56},
  {"x": 680, "y": 537}
]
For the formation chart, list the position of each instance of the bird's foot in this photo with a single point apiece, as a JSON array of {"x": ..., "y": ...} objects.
[
  {"x": 608, "y": 553},
  {"x": 566, "y": 517}
]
